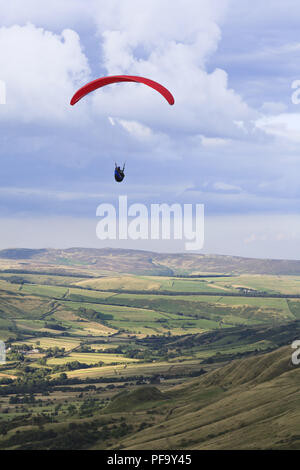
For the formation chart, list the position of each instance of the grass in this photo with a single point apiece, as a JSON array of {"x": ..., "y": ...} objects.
[
  {"x": 47, "y": 343},
  {"x": 90, "y": 358},
  {"x": 262, "y": 414},
  {"x": 271, "y": 284},
  {"x": 135, "y": 368},
  {"x": 121, "y": 283},
  {"x": 41, "y": 290},
  {"x": 172, "y": 336}
]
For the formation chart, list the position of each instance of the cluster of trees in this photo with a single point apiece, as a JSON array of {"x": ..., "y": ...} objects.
[
  {"x": 55, "y": 352},
  {"x": 91, "y": 314},
  {"x": 15, "y": 279},
  {"x": 55, "y": 326},
  {"x": 22, "y": 400},
  {"x": 74, "y": 365},
  {"x": 74, "y": 436}
]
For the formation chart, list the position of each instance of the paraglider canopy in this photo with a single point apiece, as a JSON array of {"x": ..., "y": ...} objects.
[{"x": 100, "y": 82}]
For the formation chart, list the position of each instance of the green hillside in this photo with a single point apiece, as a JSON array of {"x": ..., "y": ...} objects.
[
  {"x": 248, "y": 404},
  {"x": 106, "y": 359}
]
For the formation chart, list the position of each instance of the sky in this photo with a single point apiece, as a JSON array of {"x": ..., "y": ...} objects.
[{"x": 230, "y": 142}]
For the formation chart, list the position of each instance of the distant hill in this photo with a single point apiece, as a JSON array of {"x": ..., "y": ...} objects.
[{"x": 147, "y": 262}]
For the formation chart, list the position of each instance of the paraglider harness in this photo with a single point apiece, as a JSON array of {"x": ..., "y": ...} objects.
[{"x": 119, "y": 174}]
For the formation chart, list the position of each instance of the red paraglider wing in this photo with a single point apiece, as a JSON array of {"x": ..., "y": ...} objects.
[{"x": 100, "y": 82}]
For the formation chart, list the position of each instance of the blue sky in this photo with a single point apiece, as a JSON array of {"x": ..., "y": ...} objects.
[{"x": 230, "y": 142}]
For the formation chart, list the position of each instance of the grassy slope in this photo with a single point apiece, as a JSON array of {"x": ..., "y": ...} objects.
[
  {"x": 248, "y": 404},
  {"x": 251, "y": 403}
]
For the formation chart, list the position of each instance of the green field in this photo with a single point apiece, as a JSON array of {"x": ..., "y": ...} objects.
[{"x": 78, "y": 340}]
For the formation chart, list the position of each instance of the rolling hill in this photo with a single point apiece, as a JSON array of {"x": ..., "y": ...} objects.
[
  {"x": 144, "y": 262},
  {"x": 248, "y": 404}
]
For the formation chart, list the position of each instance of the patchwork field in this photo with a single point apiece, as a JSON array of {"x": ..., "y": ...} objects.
[{"x": 77, "y": 336}]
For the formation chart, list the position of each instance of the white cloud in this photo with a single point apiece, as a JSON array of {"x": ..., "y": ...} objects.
[
  {"x": 214, "y": 141},
  {"x": 40, "y": 70},
  {"x": 48, "y": 194},
  {"x": 255, "y": 237},
  {"x": 203, "y": 134},
  {"x": 136, "y": 129},
  {"x": 271, "y": 107},
  {"x": 219, "y": 186},
  {"x": 271, "y": 236},
  {"x": 285, "y": 125},
  {"x": 169, "y": 43}
]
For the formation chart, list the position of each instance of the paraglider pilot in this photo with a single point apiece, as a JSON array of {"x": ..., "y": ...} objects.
[{"x": 119, "y": 174}]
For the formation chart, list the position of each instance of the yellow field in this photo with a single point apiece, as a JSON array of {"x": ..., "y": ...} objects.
[
  {"x": 91, "y": 358},
  {"x": 121, "y": 282},
  {"x": 134, "y": 368},
  {"x": 7, "y": 376},
  {"x": 281, "y": 284},
  {"x": 93, "y": 329},
  {"x": 46, "y": 343}
]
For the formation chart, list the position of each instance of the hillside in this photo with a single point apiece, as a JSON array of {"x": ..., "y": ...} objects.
[
  {"x": 102, "y": 359},
  {"x": 248, "y": 404},
  {"x": 144, "y": 262}
]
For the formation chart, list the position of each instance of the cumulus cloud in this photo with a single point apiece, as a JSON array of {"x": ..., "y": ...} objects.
[
  {"x": 284, "y": 125},
  {"x": 159, "y": 41},
  {"x": 229, "y": 137},
  {"x": 271, "y": 107},
  {"x": 135, "y": 128},
  {"x": 214, "y": 141},
  {"x": 40, "y": 70},
  {"x": 170, "y": 44}
]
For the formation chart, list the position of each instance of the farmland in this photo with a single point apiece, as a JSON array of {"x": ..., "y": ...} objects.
[{"x": 78, "y": 333}]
